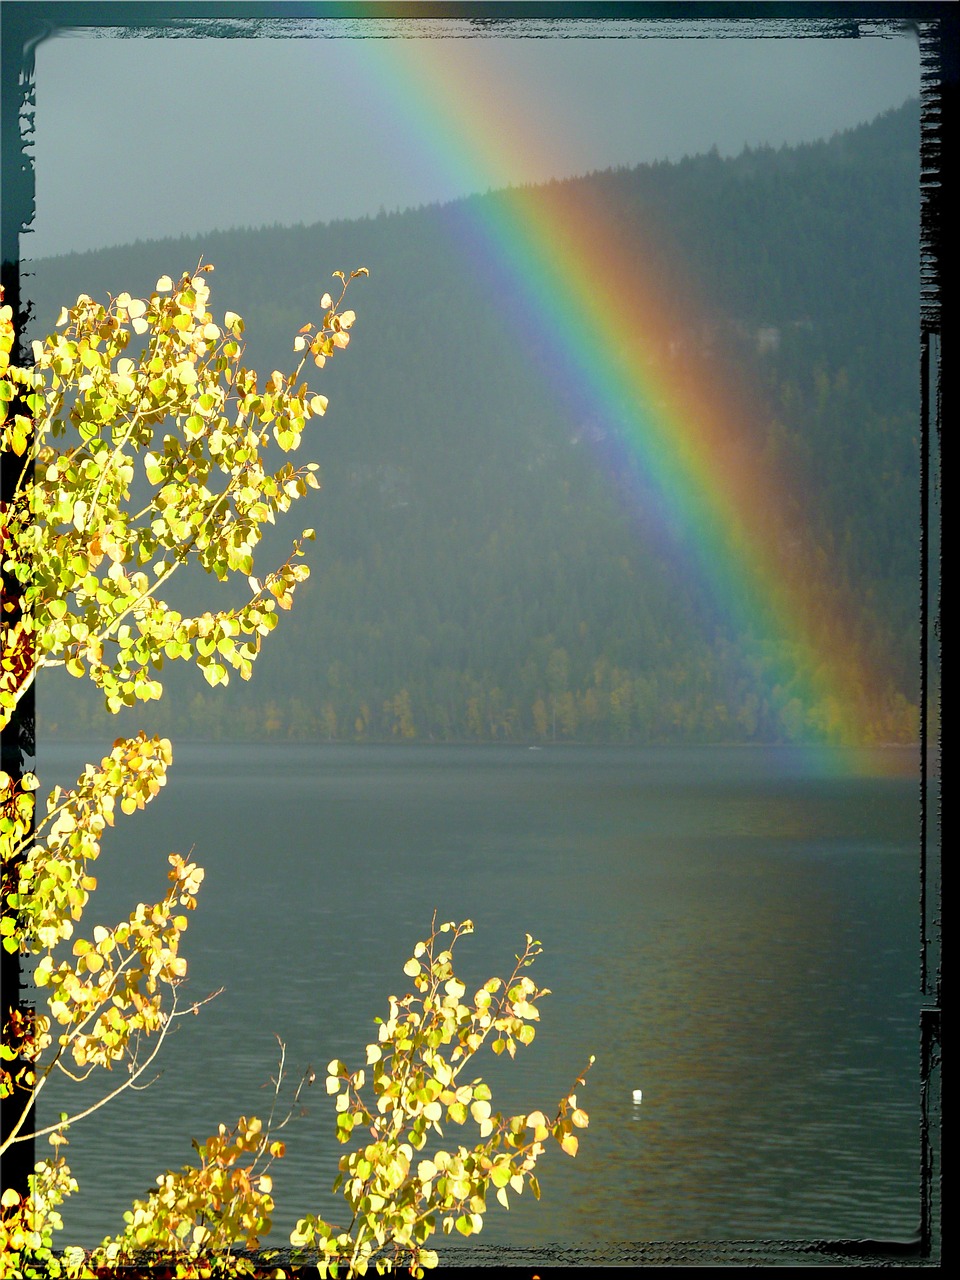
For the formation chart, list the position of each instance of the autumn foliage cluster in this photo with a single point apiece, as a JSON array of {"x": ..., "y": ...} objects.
[{"x": 138, "y": 442}]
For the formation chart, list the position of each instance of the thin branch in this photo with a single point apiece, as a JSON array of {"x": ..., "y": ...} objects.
[
  {"x": 67, "y": 1072},
  {"x": 124, "y": 439},
  {"x": 127, "y": 1084},
  {"x": 63, "y": 1042}
]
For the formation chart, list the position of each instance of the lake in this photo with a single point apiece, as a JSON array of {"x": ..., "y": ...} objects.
[{"x": 732, "y": 930}]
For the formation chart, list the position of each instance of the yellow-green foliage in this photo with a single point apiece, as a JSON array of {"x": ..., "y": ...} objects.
[
  {"x": 414, "y": 1087},
  {"x": 138, "y": 439},
  {"x": 90, "y": 562}
]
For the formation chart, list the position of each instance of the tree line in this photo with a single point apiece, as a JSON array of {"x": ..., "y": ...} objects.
[{"x": 485, "y": 569}]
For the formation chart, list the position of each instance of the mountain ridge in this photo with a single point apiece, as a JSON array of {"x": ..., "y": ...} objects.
[{"x": 482, "y": 573}]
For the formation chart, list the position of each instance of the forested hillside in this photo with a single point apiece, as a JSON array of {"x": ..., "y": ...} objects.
[{"x": 479, "y": 573}]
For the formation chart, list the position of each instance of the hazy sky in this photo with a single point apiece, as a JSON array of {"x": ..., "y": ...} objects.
[{"x": 142, "y": 138}]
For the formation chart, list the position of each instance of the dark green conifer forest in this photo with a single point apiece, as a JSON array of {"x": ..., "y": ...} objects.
[{"x": 485, "y": 569}]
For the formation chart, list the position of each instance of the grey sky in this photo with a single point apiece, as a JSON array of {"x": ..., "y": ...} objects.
[{"x": 142, "y": 138}]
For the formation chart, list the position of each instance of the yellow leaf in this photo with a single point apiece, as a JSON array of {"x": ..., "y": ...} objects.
[{"x": 570, "y": 1144}]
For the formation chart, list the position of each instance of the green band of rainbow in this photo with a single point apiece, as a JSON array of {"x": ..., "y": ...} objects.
[{"x": 579, "y": 267}]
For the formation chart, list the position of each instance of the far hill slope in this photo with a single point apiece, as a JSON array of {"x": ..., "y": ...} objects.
[{"x": 486, "y": 568}]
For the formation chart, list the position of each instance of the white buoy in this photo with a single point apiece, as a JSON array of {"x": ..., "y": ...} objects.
[{"x": 638, "y": 1096}]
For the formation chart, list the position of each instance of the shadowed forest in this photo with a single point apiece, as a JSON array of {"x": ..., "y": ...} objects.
[{"x": 488, "y": 567}]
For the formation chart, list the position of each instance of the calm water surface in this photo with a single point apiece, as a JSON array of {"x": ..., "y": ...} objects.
[{"x": 735, "y": 931}]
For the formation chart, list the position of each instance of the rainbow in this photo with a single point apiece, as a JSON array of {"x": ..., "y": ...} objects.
[{"x": 682, "y": 423}]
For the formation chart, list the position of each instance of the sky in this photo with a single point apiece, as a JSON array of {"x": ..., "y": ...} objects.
[{"x": 146, "y": 138}]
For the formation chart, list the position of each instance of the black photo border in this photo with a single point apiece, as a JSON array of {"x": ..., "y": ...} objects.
[{"x": 24, "y": 24}]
